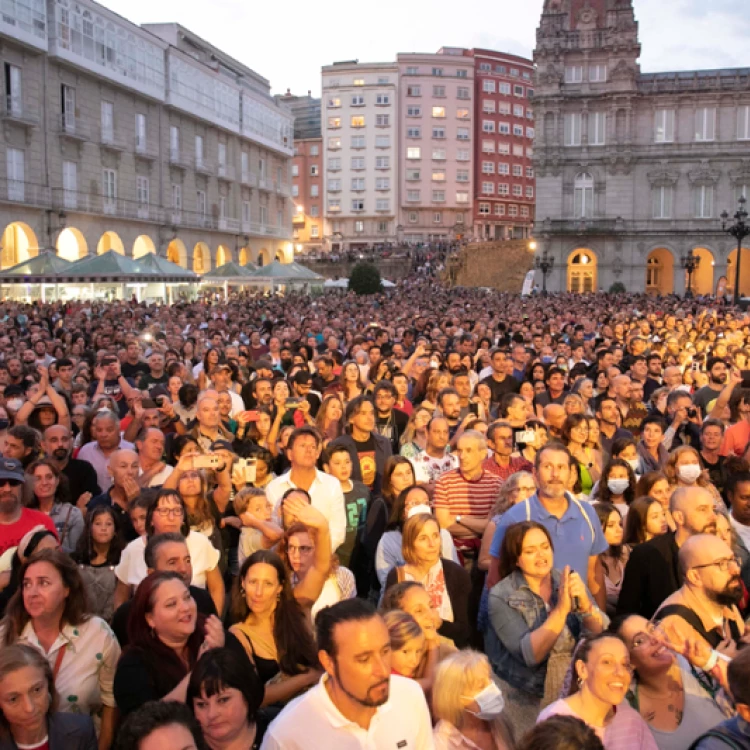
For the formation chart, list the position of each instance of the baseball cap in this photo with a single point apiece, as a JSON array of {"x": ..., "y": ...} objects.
[
  {"x": 11, "y": 468},
  {"x": 218, "y": 445}
]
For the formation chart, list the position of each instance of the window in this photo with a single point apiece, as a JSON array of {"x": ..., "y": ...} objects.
[
  {"x": 383, "y": 183},
  {"x": 504, "y": 88},
  {"x": 488, "y": 167},
  {"x": 525, "y": 212},
  {"x": 573, "y": 74},
  {"x": 438, "y": 111},
  {"x": 598, "y": 73},
  {"x": 518, "y": 131},
  {"x": 141, "y": 190},
  {"x": 488, "y": 147},
  {"x": 462, "y": 134},
  {"x": 140, "y": 132},
  {"x": 314, "y": 170},
  {"x": 109, "y": 189},
  {"x": 463, "y": 155},
  {"x": 295, "y": 169},
  {"x": 503, "y": 188},
  {"x": 334, "y": 144},
  {"x": 743, "y": 122},
  {"x": 414, "y": 152},
  {"x": 414, "y": 132},
  {"x": 529, "y": 191},
  {"x": 382, "y": 204},
  {"x": 438, "y": 91},
  {"x": 413, "y": 217},
  {"x": 704, "y": 201},
  {"x": 334, "y": 102},
  {"x": 517, "y": 170},
  {"x": 438, "y": 196},
  {"x": 295, "y": 191},
  {"x": 414, "y": 111},
  {"x": 334, "y": 122},
  {"x": 382, "y": 162},
  {"x": 108, "y": 121},
  {"x": 438, "y": 175},
  {"x": 500, "y": 69},
  {"x": 484, "y": 209},
  {"x": 503, "y": 128},
  {"x": 13, "y": 89},
  {"x": 530, "y": 93},
  {"x": 334, "y": 165},
  {"x": 359, "y": 81},
  {"x": 68, "y": 106},
  {"x": 70, "y": 184},
  {"x": 200, "y": 200},
  {"x": 530, "y": 133},
  {"x": 499, "y": 209},
  {"x": 314, "y": 150},
  {"x": 517, "y": 191},
  {"x": 359, "y": 227},
  {"x": 518, "y": 151},
  {"x": 358, "y": 162},
  {"x": 199, "y": 151},
  {"x": 488, "y": 126},
  {"x": 705, "y": 123},
  {"x": 572, "y": 128},
  {"x": 462, "y": 92},
  {"x": 460, "y": 215},
  {"x": 358, "y": 184},
  {"x": 512, "y": 210},
  {"x": 358, "y": 100},
  {"x": 597, "y": 128},
  {"x": 518, "y": 110},
  {"x": 174, "y": 142},
  {"x": 503, "y": 168},
  {"x": 358, "y": 141},
  {"x": 15, "y": 172},
  {"x": 488, "y": 188},
  {"x": 461, "y": 73},
  {"x": 222, "y": 154},
  {"x": 503, "y": 108},
  {"x": 412, "y": 71},
  {"x": 438, "y": 154},
  {"x": 488, "y": 86},
  {"x": 358, "y": 121},
  {"x": 382, "y": 81},
  {"x": 488, "y": 106},
  {"x": 334, "y": 186},
  {"x": 414, "y": 91},
  {"x": 583, "y": 196},
  {"x": 462, "y": 175},
  {"x": 413, "y": 174},
  {"x": 314, "y": 191},
  {"x": 382, "y": 100},
  {"x": 661, "y": 200},
  {"x": 529, "y": 173},
  {"x": 485, "y": 67},
  {"x": 314, "y": 230},
  {"x": 334, "y": 205},
  {"x": 437, "y": 217},
  {"x": 438, "y": 132},
  {"x": 518, "y": 91},
  {"x": 382, "y": 121},
  {"x": 315, "y": 210},
  {"x": 413, "y": 196},
  {"x": 437, "y": 71},
  {"x": 358, "y": 204}
]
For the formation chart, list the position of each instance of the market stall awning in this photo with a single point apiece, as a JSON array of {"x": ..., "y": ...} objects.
[
  {"x": 165, "y": 269},
  {"x": 41, "y": 269},
  {"x": 287, "y": 273},
  {"x": 107, "y": 267},
  {"x": 231, "y": 272}
]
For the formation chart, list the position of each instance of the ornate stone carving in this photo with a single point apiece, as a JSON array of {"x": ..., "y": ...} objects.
[
  {"x": 704, "y": 175},
  {"x": 662, "y": 176},
  {"x": 623, "y": 72}
]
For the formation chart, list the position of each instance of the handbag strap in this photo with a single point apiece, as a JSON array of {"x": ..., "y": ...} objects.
[
  {"x": 58, "y": 661},
  {"x": 66, "y": 526}
]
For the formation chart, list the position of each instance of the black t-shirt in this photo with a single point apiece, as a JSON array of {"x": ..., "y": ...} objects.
[
  {"x": 148, "y": 381},
  {"x": 134, "y": 371},
  {"x": 367, "y": 462},
  {"x": 355, "y": 506},
  {"x": 704, "y": 397},
  {"x": 499, "y": 389},
  {"x": 392, "y": 427},
  {"x": 81, "y": 477},
  {"x": 113, "y": 390}
]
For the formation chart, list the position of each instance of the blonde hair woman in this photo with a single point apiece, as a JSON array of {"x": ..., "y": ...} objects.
[{"x": 468, "y": 705}]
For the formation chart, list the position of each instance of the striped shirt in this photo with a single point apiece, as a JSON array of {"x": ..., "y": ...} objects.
[
  {"x": 519, "y": 463},
  {"x": 462, "y": 497}
]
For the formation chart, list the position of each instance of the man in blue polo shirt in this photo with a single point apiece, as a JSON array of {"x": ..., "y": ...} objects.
[{"x": 574, "y": 526}]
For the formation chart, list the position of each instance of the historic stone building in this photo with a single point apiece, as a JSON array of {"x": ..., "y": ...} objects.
[{"x": 633, "y": 169}]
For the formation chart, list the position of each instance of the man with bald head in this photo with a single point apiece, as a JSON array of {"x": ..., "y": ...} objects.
[
  {"x": 57, "y": 444},
  {"x": 554, "y": 416},
  {"x": 708, "y": 598},
  {"x": 653, "y": 572},
  {"x": 208, "y": 428},
  {"x": 105, "y": 429},
  {"x": 123, "y": 468}
]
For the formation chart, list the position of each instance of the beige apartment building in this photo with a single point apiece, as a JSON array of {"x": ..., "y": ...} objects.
[{"x": 137, "y": 139}]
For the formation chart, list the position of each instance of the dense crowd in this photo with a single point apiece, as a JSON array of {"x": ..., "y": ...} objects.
[{"x": 439, "y": 518}]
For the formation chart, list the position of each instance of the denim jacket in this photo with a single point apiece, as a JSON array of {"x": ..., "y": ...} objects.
[{"x": 515, "y": 611}]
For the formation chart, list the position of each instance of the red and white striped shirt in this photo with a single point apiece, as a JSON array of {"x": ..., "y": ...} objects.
[{"x": 463, "y": 497}]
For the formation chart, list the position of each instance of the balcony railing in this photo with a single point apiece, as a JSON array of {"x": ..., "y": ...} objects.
[
  {"x": 264, "y": 183},
  {"x": 145, "y": 149},
  {"x": 249, "y": 178},
  {"x": 73, "y": 127},
  {"x": 203, "y": 166},
  {"x": 13, "y": 109},
  {"x": 18, "y": 191},
  {"x": 225, "y": 224},
  {"x": 225, "y": 172},
  {"x": 87, "y": 203},
  {"x": 176, "y": 159},
  {"x": 283, "y": 188},
  {"x": 110, "y": 140}
]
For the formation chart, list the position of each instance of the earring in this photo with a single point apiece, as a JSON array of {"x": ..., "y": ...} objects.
[{"x": 580, "y": 682}]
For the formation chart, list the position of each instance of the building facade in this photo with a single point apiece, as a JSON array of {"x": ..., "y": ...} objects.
[
  {"x": 436, "y": 136},
  {"x": 504, "y": 185},
  {"x": 137, "y": 139},
  {"x": 633, "y": 169},
  {"x": 359, "y": 124}
]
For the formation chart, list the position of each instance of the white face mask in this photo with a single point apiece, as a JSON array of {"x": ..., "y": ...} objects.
[
  {"x": 689, "y": 473},
  {"x": 617, "y": 486},
  {"x": 634, "y": 462},
  {"x": 490, "y": 702},
  {"x": 14, "y": 404}
]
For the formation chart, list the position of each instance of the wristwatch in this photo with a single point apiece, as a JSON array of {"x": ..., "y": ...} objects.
[{"x": 458, "y": 519}]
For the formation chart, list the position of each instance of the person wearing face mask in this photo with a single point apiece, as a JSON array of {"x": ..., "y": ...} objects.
[
  {"x": 617, "y": 485},
  {"x": 467, "y": 705},
  {"x": 684, "y": 469}
]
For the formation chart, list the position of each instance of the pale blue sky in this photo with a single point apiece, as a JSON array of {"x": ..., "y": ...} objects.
[{"x": 287, "y": 42}]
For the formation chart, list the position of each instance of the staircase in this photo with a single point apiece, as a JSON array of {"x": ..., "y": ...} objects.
[{"x": 500, "y": 265}]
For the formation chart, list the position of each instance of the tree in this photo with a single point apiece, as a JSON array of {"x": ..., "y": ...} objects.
[
  {"x": 617, "y": 288},
  {"x": 365, "y": 279}
]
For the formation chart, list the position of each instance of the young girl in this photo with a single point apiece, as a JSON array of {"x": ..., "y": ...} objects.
[
  {"x": 254, "y": 519},
  {"x": 137, "y": 512},
  {"x": 407, "y": 643}
]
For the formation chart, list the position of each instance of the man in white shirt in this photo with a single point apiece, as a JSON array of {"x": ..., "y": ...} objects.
[
  {"x": 358, "y": 704},
  {"x": 303, "y": 450},
  {"x": 431, "y": 463},
  {"x": 738, "y": 493}
]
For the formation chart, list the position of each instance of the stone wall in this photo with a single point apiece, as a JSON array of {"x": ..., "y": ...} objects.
[
  {"x": 499, "y": 265},
  {"x": 390, "y": 268}
]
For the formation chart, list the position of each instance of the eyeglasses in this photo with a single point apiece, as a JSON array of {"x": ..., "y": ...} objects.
[
  {"x": 10, "y": 482},
  {"x": 653, "y": 632},
  {"x": 722, "y": 565},
  {"x": 171, "y": 512},
  {"x": 301, "y": 550}
]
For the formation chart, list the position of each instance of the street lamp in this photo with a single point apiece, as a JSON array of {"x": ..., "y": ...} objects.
[
  {"x": 690, "y": 263},
  {"x": 545, "y": 264},
  {"x": 740, "y": 230}
]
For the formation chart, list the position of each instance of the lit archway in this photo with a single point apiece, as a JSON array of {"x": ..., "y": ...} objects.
[
  {"x": 582, "y": 270},
  {"x": 142, "y": 246},
  {"x": 71, "y": 244},
  {"x": 223, "y": 255},
  {"x": 18, "y": 243},
  {"x": 280, "y": 256},
  {"x": 744, "y": 272},
  {"x": 110, "y": 241},
  {"x": 201, "y": 258},
  {"x": 243, "y": 259},
  {"x": 177, "y": 253},
  {"x": 264, "y": 256},
  {"x": 703, "y": 276},
  {"x": 660, "y": 272}
]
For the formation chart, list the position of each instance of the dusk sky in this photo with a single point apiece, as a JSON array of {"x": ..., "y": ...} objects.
[{"x": 288, "y": 42}]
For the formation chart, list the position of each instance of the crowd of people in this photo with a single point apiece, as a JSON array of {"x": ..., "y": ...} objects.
[{"x": 441, "y": 518}]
